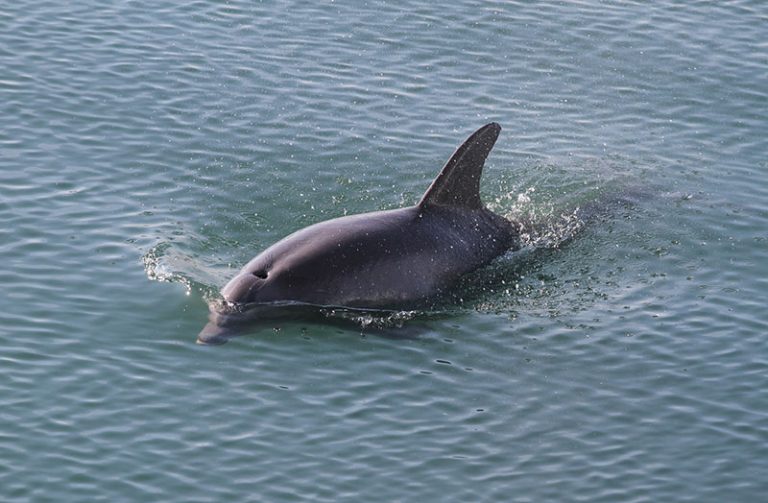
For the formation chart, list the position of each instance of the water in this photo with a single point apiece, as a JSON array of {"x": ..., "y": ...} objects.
[{"x": 172, "y": 141}]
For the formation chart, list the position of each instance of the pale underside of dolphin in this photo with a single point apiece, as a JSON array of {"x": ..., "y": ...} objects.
[{"x": 393, "y": 259}]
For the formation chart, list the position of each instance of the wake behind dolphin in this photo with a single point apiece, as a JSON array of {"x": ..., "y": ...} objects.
[{"x": 382, "y": 260}]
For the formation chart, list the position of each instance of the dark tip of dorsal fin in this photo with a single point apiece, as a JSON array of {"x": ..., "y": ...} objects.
[{"x": 458, "y": 184}]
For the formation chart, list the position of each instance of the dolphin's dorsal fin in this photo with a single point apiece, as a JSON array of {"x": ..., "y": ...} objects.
[{"x": 458, "y": 184}]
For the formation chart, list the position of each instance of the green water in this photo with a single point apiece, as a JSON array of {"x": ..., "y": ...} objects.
[{"x": 149, "y": 149}]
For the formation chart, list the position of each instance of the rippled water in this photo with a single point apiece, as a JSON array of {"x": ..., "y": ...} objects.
[{"x": 144, "y": 141}]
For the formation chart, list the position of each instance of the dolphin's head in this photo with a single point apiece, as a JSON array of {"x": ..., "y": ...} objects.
[{"x": 250, "y": 285}]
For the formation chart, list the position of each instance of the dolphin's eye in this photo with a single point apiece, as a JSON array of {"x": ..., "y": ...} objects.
[{"x": 260, "y": 273}]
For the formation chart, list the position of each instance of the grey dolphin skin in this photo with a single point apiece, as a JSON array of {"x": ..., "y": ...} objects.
[{"x": 381, "y": 260}]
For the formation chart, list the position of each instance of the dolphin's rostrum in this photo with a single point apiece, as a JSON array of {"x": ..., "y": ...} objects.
[{"x": 385, "y": 259}]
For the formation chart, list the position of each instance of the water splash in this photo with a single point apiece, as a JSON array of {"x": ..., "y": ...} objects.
[
  {"x": 540, "y": 224},
  {"x": 371, "y": 318},
  {"x": 158, "y": 270},
  {"x": 165, "y": 263},
  {"x": 552, "y": 204}
]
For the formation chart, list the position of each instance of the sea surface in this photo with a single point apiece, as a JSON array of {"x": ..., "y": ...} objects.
[{"x": 149, "y": 149}]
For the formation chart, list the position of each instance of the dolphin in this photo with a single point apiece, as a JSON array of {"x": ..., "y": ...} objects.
[{"x": 383, "y": 260}]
